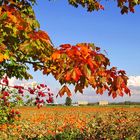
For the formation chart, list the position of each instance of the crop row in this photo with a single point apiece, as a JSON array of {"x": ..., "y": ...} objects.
[{"x": 61, "y": 123}]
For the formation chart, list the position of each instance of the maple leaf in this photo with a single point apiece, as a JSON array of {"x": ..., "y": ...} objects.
[
  {"x": 114, "y": 94},
  {"x": 92, "y": 81},
  {"x": 87, "y": 71},
  {"x": 76, "y": 74},
  {"x": 118, "y": 81},
  {"x": 1, "y": 57},
  {"x": 90, "y": 63},
  {"x": 65, "y": 46},
  {"x": 84, "y": 49},
  {"x": 100, "y": 90},
  {"x": 46, "y": 71},
  {"x": 79, "y": 88},
  {"x": 5, "y": 56},
  {"x": 64, "y": 90},
  {"x": 121, "y": 72},
  {"x": 68, "y": 76},
  {"x": 120, "y": 93},
  {"x": 55, "y": 55},
  {"x": 127, "y": 91}
]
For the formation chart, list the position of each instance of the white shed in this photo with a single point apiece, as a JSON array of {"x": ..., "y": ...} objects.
[
  {"x": 103, "y": 102},
  {"x": 82, "y": 102}
]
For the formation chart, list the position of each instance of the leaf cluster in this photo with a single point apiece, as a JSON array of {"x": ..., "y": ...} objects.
[
  {"x": 95, "y": 5},
  {"x": 23, "y": 43},
  {"x": 83, "y": 65}
]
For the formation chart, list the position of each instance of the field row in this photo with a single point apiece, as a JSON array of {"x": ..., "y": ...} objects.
[{"x": 74, "y": 123}]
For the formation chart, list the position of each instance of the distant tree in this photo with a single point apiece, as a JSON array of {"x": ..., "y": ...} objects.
[
  {"x": 30, "y": 102},
  {"x": 68, "y": 101}
]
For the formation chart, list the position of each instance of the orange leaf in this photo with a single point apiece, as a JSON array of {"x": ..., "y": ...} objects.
[
  {"x": 68, "y": 76},
  {"x": 119, "y": 81},
  {"x": 89, "y": 61},
  {"x": 64, "y": 90},
  {"x": 76, "y": 74},
  {"x": 1, "y": 57},
  {"x": 100, "y": 90},
  {"x": 46, "y": 71},
  {"x": 56, "y": 55}
]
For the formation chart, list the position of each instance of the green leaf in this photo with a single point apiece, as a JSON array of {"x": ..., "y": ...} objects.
[
  {"x": 4, "y": 16},
  {"x": 135, "y": 1},
  {"x": 87, "y": 71}
]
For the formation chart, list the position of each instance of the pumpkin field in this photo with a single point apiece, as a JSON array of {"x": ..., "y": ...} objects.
[{"x": 74, "y": 123}]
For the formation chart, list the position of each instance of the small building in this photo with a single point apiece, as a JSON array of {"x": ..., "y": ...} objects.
[
  {"x": 82, "y": 102},
  {"x": 75, "y": 104},
  {"x": 103, "y": 102}
]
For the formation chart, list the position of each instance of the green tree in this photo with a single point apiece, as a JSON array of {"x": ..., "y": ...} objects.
[
  {"x": 68, "y": 101},
  {"x": 21, "y": 41}
]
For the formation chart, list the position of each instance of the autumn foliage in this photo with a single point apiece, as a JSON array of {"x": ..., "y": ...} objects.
[
  {"x": 23, "y": 43},
  {"x": 83, "y": 65},
  {"x": 49, "y": 123},
  {"x": 95, "y": 5},
  {"x": 21, "y": 40}
]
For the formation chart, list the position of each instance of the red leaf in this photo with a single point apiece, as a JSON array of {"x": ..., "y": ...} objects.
[
  {"x": 121, "y": 94},
  {"x": 114, "y": 94},
  {"x": 109, "y": 93},
  {"x": 132, "y": 9},
  {"x": 121, "y": 72},
  {"x": 101, "y": 7},
  {"x": 127, "y": 91},
  {"x": 65, "y": 46},
  {"x": 20, "y": 91},
  {"x": 5, "y": 93},
  {"x": 5, "y": 80}
]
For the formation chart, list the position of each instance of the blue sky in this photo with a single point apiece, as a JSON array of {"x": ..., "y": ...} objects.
[{"x": 118, "y": 34}]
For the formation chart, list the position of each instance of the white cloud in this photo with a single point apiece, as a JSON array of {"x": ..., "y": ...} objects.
[
  {"x": 134, "y": 84},
  {"x": 25, "y": 83},
  {"x": 12, "y": 81},
  {"x": 134, "y": 81}
]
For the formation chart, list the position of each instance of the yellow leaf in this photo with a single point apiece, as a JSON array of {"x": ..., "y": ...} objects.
[
  {"x": 6, "y": 56},
  {"x": 1, "y": 57}
]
